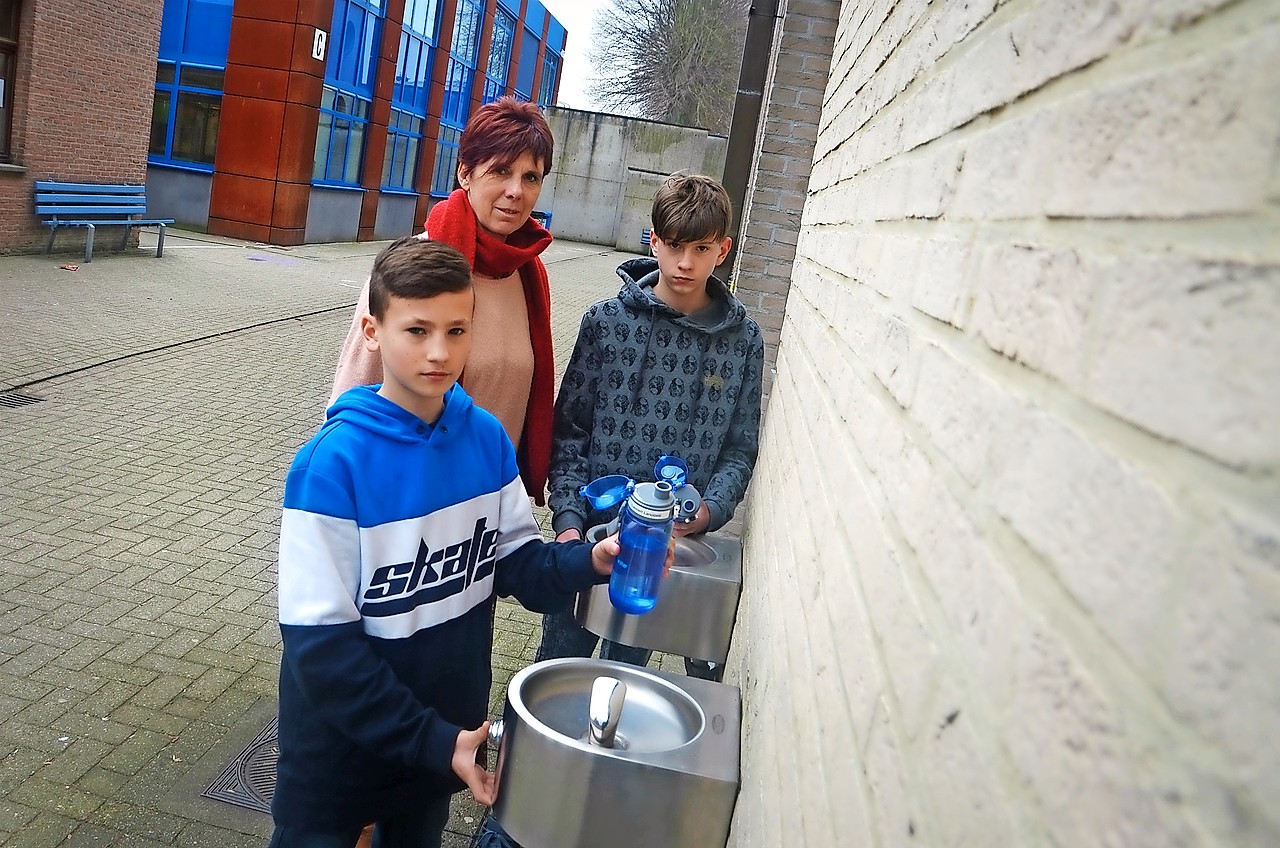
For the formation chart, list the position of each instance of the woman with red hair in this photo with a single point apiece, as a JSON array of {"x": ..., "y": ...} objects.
[{"x": 503, "y": 156}]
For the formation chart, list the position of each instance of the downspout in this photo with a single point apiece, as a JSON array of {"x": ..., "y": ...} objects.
[{"x": 756, "y": 51}]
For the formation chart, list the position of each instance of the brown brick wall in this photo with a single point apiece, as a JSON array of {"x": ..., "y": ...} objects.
[
  {"x": 86, "y": 72},
  {"x": 775, "y": 197}
]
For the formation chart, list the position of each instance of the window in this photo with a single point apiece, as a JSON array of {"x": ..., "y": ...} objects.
[
  {"x": 347, "y": 98},
  {"x": 463, "y": 60},
  {"x": 404, "y": 141},
  {"x": 8, "y": 71},
  {"x": 344, "y": 119},
  {"x": 547, "y": 88},
  {"x": 446, "y": 160},
  {"x": 185, "y": 113},
  {"x": 528, "y": 64},
  {"x": 495, "y": 82},
  {"x": 187, "y": 105},
  {"x": 409, "y": 96}
]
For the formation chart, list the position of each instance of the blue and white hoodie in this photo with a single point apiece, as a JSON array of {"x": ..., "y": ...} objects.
[{"x": 396, "y": 536}]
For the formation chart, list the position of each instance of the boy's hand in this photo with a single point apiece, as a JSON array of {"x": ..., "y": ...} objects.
[
  {"x": 603, "y": 553},
  {"x": 606, "y": 550},
  {"x": 699, "y": 524},
  {"x": 483, "y": 784}
]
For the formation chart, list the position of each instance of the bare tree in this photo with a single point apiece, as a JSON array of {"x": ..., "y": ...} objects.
[{"x": 670, "y": 60}]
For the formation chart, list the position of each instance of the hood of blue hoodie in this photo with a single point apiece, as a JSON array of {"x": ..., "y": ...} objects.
[
  {"x": 363, "y": 407},
  {"x": 639, "y": 276}
]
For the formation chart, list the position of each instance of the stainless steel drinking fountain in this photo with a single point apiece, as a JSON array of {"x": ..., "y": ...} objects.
[
  {"x": 595, "y": 753},
  {"x": 697, "y": 602}
]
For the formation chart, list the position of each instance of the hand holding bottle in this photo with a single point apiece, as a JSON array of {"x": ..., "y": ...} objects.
[
  {"x": 603, "y": 554},
  {"x": 699, "y": 523}
]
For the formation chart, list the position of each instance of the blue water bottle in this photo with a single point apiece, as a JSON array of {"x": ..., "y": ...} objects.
[{"x": 644, "y": 532}]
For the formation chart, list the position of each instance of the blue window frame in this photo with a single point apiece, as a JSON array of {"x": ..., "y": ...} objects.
[
  {"x": 463, "y": 59},
  {"x": 547, "y": 88},
  {"x": 409, "y": 95},
  {"x": 187, "y": 104},
  {"x": 495, "y": 72},
  {"x": 404, "y": 144},
  {"x": 348, "y": 92},
  {"x": 446, "y": 166}
]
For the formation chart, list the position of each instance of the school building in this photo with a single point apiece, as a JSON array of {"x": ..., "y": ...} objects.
[{"x": 280, "y": 121}]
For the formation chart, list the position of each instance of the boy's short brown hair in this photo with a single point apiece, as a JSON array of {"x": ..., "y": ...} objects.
[
  {"x": 415, "y": 268},
  {"x": 691, "y": 207}
]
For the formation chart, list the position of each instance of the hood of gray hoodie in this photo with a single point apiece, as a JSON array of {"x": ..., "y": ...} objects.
[{"x": 639, "y": 276}]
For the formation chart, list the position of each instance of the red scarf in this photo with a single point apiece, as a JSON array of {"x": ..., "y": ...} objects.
[{"x": 453, "y": 222}]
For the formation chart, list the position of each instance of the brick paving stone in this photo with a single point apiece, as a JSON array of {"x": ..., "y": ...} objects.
[
  {"x": 62, "y": 799},
  {"x": 101, "y": 781},
  {"x": 142, "y": 821},
  {"x": 92, "y": 726},
  {"x": 14, "y": 815},
  {"x": 18, "y": 766},
  {"x": 136, "y": 752},
  {"x": 44, "y": 830},
  {"x": 202, "y": 835},
  {"x": 78, "y": 759}
]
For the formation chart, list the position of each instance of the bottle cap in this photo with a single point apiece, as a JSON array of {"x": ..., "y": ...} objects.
[
  {"x": 672, "y": 469},
  {"x": 605, "y": 492},
  {"x": 652, "y": 501}
]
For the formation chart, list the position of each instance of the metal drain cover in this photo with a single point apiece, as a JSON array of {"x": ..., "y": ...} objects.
[
  {"x": 12, "y": 400},
  {"x": 250, "y": 780}
]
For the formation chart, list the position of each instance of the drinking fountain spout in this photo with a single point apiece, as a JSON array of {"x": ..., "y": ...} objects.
[{"x": 605, "y": 710}]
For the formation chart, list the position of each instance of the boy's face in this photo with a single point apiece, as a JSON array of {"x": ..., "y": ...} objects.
[
  {"x": 424, "y": 344},
  {"x": 503, "y": 196},
  {"x": 684, "y": 267}
]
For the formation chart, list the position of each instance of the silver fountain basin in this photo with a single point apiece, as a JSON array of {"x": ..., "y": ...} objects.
[
  {"x": 669, "y": 782},
  {"x": 697, "y": 602}
]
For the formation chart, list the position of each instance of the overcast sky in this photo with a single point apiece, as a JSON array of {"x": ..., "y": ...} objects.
[{"x": 577, "y": 17}]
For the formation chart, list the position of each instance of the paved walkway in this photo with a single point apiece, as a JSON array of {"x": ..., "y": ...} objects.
[{"x": 139, "y": 500}]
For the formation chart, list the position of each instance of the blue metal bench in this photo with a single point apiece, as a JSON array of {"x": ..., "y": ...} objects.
[{"x": 91, "y": 205}]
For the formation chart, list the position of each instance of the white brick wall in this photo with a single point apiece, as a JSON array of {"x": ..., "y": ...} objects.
[{"x": 1013, "y": 561}]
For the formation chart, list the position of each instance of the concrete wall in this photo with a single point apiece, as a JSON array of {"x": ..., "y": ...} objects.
[
  {"x": 81, "y": 105},
  {"x": 607, "y": 167},
  {"x": 1028, "y": 389},
  {"x": 333, "y": 214},
  {"x": 396, "y": 213},
  {"x": 179, "y": 194}
]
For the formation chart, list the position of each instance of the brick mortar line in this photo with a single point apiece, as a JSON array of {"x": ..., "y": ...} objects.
[
  {"x": 1128, "y": 60},
  {"x": 1033, "y": 573},
  {"x": 1171, "y": 464},
  {"x": 1132, "y": 698}
]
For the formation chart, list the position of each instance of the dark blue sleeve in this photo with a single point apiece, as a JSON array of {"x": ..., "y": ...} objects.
[{"x": 542, "y": 576}]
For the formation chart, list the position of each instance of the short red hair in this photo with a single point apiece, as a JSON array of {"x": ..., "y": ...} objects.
[{"x": 503, "y": 130}]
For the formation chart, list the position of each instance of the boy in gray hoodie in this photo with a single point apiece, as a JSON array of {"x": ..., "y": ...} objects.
[{"x": 670, "y": 366}]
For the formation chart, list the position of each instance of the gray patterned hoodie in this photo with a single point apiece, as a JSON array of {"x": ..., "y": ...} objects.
[{"x": 646, "y": 380}]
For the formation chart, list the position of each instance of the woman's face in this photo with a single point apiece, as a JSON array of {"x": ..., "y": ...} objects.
[{"x": 502, "y": 195}]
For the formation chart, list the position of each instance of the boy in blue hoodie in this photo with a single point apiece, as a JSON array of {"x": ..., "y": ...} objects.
[
  {"x": 671, "y": 365},
  {"x": 403, "y": 518}
]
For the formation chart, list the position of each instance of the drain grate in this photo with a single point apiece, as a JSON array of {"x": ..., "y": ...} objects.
[
  {"x": 12, "y": 400},
  {"x": 250, "y": 780}
]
